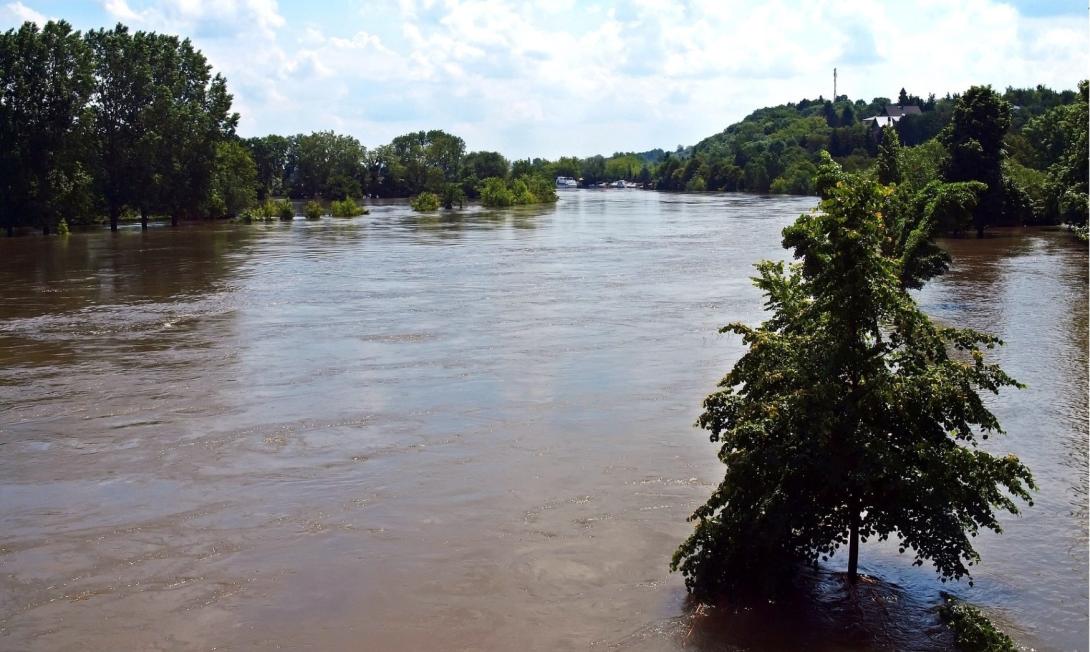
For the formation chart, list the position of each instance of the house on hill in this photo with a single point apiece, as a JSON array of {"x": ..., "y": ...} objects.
[
  {"x": 890, "y": 115},
  {"x": 901, "y": 110}
]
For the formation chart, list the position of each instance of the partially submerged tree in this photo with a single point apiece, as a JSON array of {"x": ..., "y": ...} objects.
[
  {"x": 974, "y": 139},
  {"x": 45, "y": 79},
  {"x": 852, "y": 416}
]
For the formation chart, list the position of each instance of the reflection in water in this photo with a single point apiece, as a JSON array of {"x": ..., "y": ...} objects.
[{"x": 460, "y": 430}]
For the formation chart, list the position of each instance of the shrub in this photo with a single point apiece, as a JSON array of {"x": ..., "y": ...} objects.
[
  {"x": 973, "y": 632},
  {"x": 541, "y": 189},
  {"x": 453, "y": 194},
  {"x": 526, "y": 189},
  {"x": 62, "y": 227},
  {"x": 346, "y": 208},
  {"x": 313, "y": 210},
  {"x": 425, "y": 201},
  {"x": 216, "y": 206},
  {"x": 697, "y": 184},
  {"x": 494, "y": 192},
  {"x": 285, "y": 210},
  {"x": 522, "y": 192},
  {"x": 272, "y": 209}
]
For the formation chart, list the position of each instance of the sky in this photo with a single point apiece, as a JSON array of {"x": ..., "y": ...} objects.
[{"x": 557, "y": 77}]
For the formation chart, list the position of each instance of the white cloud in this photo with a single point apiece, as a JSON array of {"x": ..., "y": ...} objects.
[
  {"x": 565, "y": 77},
  {"x": 194, "y": 17},
  {"x": 17, "y": 12}
]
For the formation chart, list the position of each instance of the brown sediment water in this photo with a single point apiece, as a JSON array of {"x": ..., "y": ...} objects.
[{"x": 467, "y": 431}]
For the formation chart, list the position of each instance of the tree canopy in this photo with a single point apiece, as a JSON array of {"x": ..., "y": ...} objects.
[
  {"x": 974, "y": 140},
  {"x": 852, "y": 416},
  {"x": 45, "y": 83}
]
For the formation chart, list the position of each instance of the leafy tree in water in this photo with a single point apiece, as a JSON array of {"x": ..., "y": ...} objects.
[
  {"x": 45, "y": 80},
  {"x": 271, "y": 156},
  {"x": 158, "y": 116},
  {"x": 424, "y": 160},
  {"x": 123, "y": 90},
  {"x": 888, "y": 149},
  {"x": 852, "y": 416},
  {"x": 188, "y": 117},
  {"x": 328, "y": 165},
  {"x": 974, "y": 141},
  {"x": 234, "y": 181}
]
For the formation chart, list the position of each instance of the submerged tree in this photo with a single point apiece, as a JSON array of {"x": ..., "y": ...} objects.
[
  {"x": 45, "y": 79},
  {"x": 974, "y": 140},
  {"x": 852, "y": 416}
]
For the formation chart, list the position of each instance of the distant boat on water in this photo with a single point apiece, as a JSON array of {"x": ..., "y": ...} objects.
[{"x": 566, "y": 182}]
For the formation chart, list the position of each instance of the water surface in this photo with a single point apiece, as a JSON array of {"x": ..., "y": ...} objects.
[{"x": 460, "y": 431}]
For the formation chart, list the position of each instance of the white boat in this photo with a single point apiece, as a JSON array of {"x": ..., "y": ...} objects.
[
  {"x": 619, "y": 183},
  {"x": 566, "y": 182}
]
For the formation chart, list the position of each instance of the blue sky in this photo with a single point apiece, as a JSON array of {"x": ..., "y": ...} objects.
[{"x": 555, "y": 77}]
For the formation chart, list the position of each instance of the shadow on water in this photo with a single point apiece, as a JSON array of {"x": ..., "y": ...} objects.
[
  {"x": 59, "y": 294},
  {"x": 822, "y": 612},
  {"x": 828, "y": 614}
]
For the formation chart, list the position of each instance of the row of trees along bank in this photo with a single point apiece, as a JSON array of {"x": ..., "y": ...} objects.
[
  {"x": 105, "y": 122},
  {"x": 115, "y": 124}
]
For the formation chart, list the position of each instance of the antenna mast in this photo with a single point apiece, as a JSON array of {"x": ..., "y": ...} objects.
[{"x": 834, "y": 84}]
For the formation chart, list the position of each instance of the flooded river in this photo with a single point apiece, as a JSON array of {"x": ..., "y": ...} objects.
[{"x": 466, "y": 431}]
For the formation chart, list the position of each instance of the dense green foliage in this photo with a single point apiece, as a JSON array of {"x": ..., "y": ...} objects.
[
  {"x": 270, "y": 210},
  {"x": 234, "y": 180},
  {"x": 346, "y": 208},
  {"x": 497, "y": 192},
  {"x": 887, "y": 167},
  {"x": 107, "y": 122},
  {"x": 852, "y": 416},
  {"x": 313, "y": 210},
  {"x": 45, "y": 85},
  {"x": 774, "y": 149},
  {"x": 778, "y": 149},
  {"x": 974, "y": 143},
  {"x": 432, "y": 161},
  {"x": 1057, "y": 155},
  {"x": 425, "y": 202},
  {"x": 973, "y": 632}
]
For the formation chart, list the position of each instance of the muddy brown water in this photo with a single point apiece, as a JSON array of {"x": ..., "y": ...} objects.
[{"x": 464, "y": 431}]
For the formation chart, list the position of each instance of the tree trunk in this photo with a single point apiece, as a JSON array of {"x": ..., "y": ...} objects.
[
  {"x": 853, "y": 546},
  {"x": 114, "y": 215},
  {"x": 143, "y": 220}
]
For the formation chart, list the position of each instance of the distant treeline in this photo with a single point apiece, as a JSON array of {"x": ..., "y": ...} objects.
[
  {"x": 777, "y": 149},
  {"x": 333, "y": 166},
  {"x": 325, "y": 164},
  {"x": 113, "y": 124}
]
